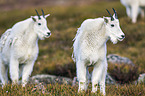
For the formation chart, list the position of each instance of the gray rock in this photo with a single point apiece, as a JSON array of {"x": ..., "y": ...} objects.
[
  {"x": 141, "y": 78},
  {"x": 116, "y": 59},
  {"x": 49, "y": 79},
  {"x": 109, "y": 80},
  {"x": 52, "y": 79}
]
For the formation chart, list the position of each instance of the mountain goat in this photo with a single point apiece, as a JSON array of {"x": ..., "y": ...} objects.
[
  {"x": 133, "y": 7},
  {"x": 19, "y": 48},
  {"x": 89, "y": 49}
]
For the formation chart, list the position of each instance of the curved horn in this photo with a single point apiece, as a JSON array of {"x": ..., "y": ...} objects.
[
  {"x": 43, "y": 13},
  {"x": 115, "y": 13},
  {"x": 110, "y": 15},
  {"x": 37, "y": 14}
]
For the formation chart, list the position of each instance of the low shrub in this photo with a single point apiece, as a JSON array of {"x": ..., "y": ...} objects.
[{"x": 123, "y": 73}]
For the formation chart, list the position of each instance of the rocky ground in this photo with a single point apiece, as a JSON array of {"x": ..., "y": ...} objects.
[
  {"x": 42, "y": 79},
  {"x": 112, "y": 58}
]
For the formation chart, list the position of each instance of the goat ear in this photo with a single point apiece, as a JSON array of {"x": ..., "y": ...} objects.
[
  {"x": 47, "y": 15},
  {"x": 33, "y": 18},
  {"x": 106, "y": 20}
]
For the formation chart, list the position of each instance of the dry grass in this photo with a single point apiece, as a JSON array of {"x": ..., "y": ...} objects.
[{"x": 67, "y": 90}]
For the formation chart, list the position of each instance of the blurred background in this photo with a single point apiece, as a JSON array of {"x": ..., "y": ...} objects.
[
  {"x": 13, "y": 4},
  {"x": 65, "y": 17}
]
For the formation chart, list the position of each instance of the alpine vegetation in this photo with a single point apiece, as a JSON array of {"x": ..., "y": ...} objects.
[
  {"x": 133, "y": 8},
  {"x": 89, "y": 49},
  {"x": 19, "y": 48}
]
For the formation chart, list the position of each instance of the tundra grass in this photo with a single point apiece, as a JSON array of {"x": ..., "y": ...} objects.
[
  {"x": 67, "y": 90},
  {"x": 57, "y": 50}
]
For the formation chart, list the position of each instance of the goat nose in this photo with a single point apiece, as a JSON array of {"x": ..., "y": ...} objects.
[
  {"x": 123, "y": 36},
  {"x": 48, "y": 33}
]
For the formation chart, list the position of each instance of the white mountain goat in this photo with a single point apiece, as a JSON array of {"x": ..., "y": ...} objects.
[
  {"x": 89, "y": 49},
  {"x": 19, "y": 48},
  {"x": 133, "y": 8}
]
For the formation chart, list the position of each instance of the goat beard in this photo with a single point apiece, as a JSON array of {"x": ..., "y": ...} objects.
[
  {"x": 41, "y": 37},
  {"x": 113, "y": 40}
]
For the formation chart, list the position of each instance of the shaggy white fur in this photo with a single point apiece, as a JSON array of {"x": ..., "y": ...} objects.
[
  {"x": 19, "y": 48},
  {"x": 90, "y": 50},
  {"x": 133, "y": 7}
]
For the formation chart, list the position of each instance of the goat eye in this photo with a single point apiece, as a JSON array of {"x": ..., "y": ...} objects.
[
  {"x": 112, "y": 25},
  {"x": 39, "y": 23}
]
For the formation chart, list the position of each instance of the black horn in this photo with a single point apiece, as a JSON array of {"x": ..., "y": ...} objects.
[
  {"x": 115, "y": 13},
  {"x": 37, "y": 14},
  {"x": 110, "y": 15},
  {"x": 43, "y": 13}
]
